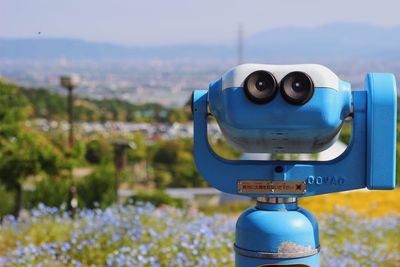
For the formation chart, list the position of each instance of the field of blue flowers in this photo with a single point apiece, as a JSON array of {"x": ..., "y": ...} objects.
[{"x": 147, "y": 236}]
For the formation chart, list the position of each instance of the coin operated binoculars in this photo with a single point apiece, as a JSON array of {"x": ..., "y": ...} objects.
[{"x": 293, "y": 109}]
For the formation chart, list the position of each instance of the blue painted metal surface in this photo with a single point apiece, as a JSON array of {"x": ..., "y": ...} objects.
[
  {"x": 311, "y": 261},
  {"x": 369, "y": 160},
  {"x": 270, "y": 230},
  {"x": 279, "y": 127},
  {"x": 381, "y": 130},
  {"x": 265, "y": 230}
]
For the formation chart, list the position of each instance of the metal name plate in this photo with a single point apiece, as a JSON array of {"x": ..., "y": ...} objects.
[{"x": 271, "y": 187}]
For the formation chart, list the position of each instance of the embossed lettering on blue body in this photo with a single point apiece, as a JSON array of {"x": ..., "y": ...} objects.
[{"x": 326, "y": 180}]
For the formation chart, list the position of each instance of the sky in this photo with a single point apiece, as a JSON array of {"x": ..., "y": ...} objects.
[{"x": 164, "y": 22}]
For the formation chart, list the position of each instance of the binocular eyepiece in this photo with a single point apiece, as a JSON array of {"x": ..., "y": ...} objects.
[{"x": 296, "y": 87}]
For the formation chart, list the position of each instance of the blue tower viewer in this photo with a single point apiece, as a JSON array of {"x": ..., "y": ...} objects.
[{"x": 293, "y": 109}]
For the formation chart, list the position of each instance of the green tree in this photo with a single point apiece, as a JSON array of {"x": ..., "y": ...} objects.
[
  {"x": 50, "y": 105},
  {"x": 178, "y": 115},
  {"x": 345, "y": 134},
  {"x": 98, "y": 187},
  {"x": 46, "y": 104},
  {"x": 28, "y": 153},
  {"x": 23, "y": 152},
  {"x": 7, "y": 201},
  {"x": 176, "y": 158},
  {"x": 140, "y": 152},
  {"x": 99, "y": 151},
  {"x": 168, "y": 152},
  {"x": 162, "y": 177},
  {"x": 224, "y": 150},
  {"x": 14, "y": 110},
  {"x": 50, "y": 191}
]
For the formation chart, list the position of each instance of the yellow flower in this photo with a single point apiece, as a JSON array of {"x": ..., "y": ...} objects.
[{"x": 369, "y": 203}]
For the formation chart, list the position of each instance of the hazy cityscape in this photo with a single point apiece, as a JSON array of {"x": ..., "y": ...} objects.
[
  {"x": 168, "y": 82},
  {"x": 153, "y": 131}
]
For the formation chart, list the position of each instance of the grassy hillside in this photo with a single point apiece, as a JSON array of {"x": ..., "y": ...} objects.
[{"x": 51, "y": 105}]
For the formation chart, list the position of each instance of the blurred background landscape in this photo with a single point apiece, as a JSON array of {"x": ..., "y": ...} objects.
[{"x": 81, "y": 199}]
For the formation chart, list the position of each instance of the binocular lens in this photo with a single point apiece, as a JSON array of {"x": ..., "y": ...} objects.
[
  {"x": 260, "y": 87},
  {"x": 297, "y": 88}
]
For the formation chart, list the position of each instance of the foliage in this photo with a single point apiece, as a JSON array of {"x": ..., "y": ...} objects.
[
  {"x": 23, "y": 151},
  {"x": 14, "y": 109},
  {"x": 52, "y": 192},
  {"x": 123, "y": 236},
  {"x": 178, "y": 115},
  {"x": 99, "y": 151},
  {"x": 53, "y": 106},
  {"x": 7, "y": 201},
  {"x": 146, "y": 236},
  {"x": 227, "y": 208},
  {"x": 46, "y": 104},
  {"x": 76, "y": 155},
  {"x": 162, "y": 177},
  {"x": 28, "y": 153},
  {"x": 174, "y": 165},
  {"x": 348, "y": 239},
  {"x": 97, "y": 188},
  {"x": 345, "y": 133},
  {"x": 223, "y": 149},
  {"x": 140, "y": 152},
  {"x": 158, "y": 198},
  {"x": 176, "y": 158},
  {"x": 72, "y": 157}
]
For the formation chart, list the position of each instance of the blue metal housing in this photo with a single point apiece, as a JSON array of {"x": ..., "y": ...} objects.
[
  {"x": 369, "y": 160},
  {"x": 381, "y": 130},
  {"x": 283, "y": 234},
  {"x": 279, "y": 127},
  {"x": 276, "y": 233}
]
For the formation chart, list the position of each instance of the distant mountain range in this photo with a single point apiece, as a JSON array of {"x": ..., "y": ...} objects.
[{"x": 339, "y": 42}]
